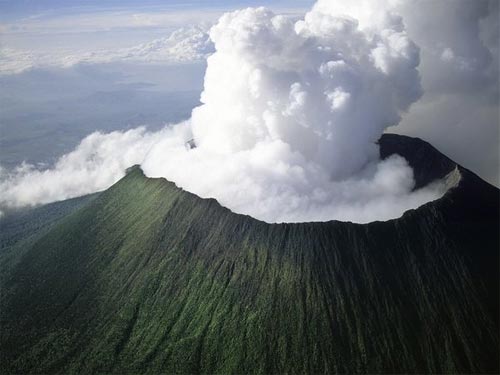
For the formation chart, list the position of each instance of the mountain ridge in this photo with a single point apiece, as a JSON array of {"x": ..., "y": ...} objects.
[{"x": 147, "y": 278}]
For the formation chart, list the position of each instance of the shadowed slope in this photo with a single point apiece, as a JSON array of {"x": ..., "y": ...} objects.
[{"x": 147, "y": 278}]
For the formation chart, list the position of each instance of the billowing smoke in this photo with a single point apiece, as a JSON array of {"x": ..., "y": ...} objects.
[{"x": 289, "y": 122}]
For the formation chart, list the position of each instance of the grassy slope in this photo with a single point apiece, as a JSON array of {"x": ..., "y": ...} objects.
[{"x": 148, "y": 278}]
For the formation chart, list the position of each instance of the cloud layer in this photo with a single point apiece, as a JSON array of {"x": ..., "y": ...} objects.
[
  {"x": 287, "y": 130},
  {"x": 187, "y": 44}
]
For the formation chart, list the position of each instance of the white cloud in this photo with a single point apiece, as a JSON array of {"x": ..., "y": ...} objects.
[
  {"x": 287, "y": 130},
  {"x": 102, "y": 20},
  {"x": 299, "y": 67},
  {"x": 291, "y": 111},
  {"x": 15, "y": 61},
  {"x": 98, "y": 162},
  {"x": 188, "y": 44},
  {"x": 183, "y": 45}
]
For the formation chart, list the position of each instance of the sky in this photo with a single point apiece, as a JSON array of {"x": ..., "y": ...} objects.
[{"x": 70, "y": 68}]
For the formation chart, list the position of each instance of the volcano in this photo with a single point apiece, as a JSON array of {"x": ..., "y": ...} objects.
[{"x": 147, "y": 278}]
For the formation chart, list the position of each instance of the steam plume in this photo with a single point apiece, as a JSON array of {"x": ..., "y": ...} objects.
[
  {"x": 291, "y": 114},
  {"x": 290, "y": 118}
]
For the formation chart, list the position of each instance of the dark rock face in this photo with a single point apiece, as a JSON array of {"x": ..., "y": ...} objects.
[
  {"x": 147, "y": 278},
  {"x": 428, "y": 163}
]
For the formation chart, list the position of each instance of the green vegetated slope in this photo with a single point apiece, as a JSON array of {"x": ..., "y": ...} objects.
[
  {"x": 19, "y": 229},
  {"x": 147, "y": 278},
  {"x": 17, "y": 225}
]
